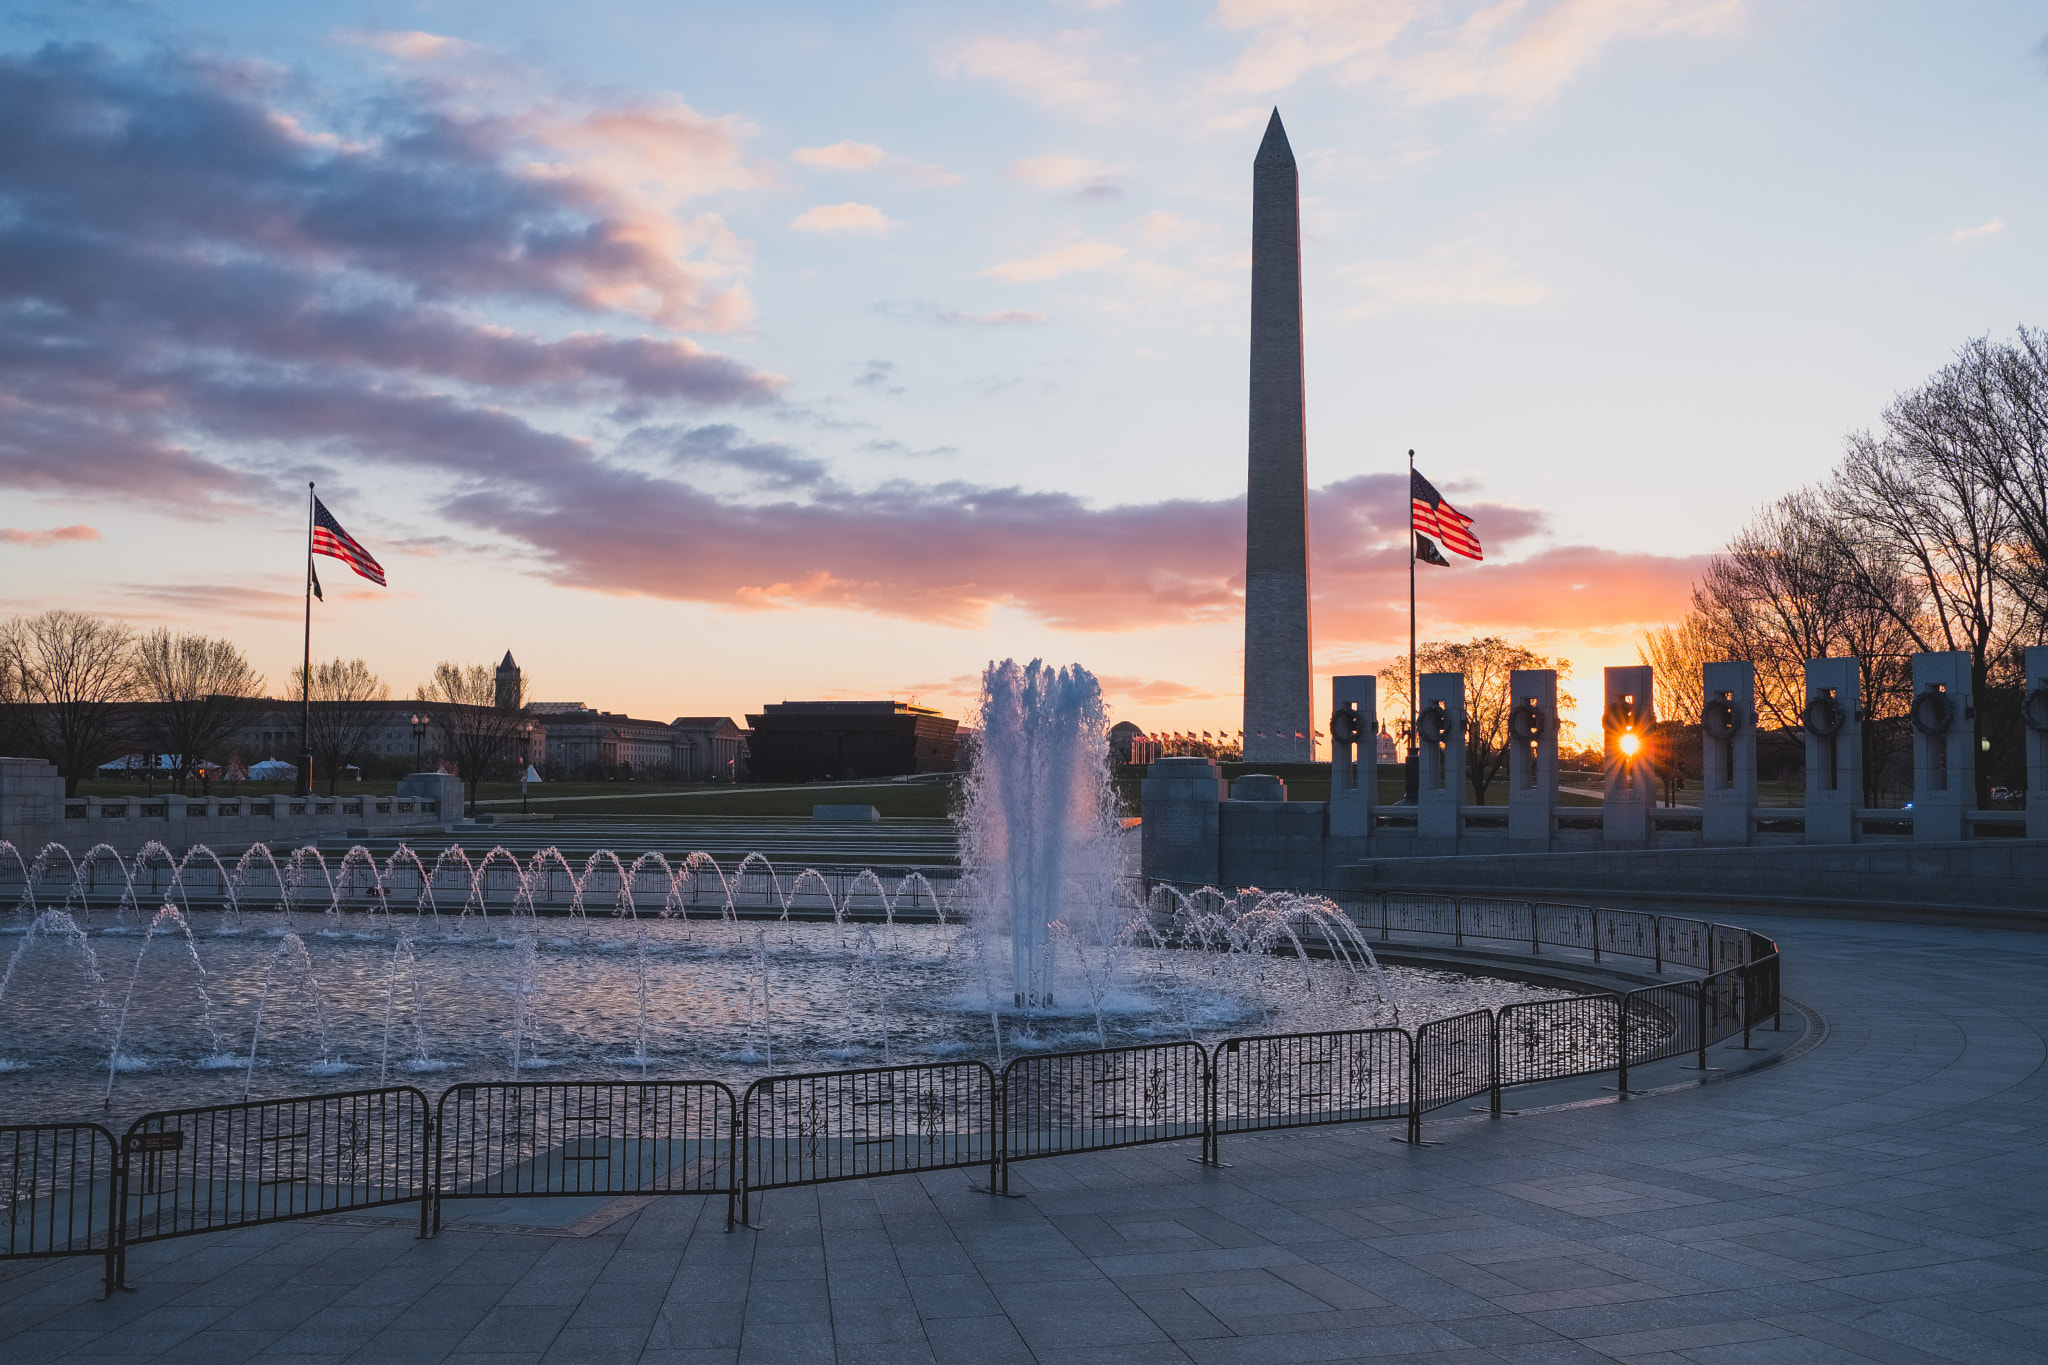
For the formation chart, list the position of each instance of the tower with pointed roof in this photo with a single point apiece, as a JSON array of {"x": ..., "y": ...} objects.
[
  {"x": 1278, "y": 721},
  {"x": 510, "y": 694}
]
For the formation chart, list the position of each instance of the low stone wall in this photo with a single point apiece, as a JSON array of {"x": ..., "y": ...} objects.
[
  {"x": 34, "y": 812},
  {"x": 1993, "y": 881}
]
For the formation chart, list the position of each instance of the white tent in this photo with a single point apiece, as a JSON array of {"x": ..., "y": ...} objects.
[{"x": 272, "y": 770}]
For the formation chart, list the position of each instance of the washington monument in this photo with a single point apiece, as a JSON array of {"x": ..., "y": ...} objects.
[{"x": 1278, "y": 725}]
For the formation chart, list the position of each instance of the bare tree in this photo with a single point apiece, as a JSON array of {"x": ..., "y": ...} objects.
[
  {"x": 196, "y": 691},
  {"x": 476, "y": 733},
  {"x": 1995, "y": 398},
  {"x": 1678, "y": 653},
  {"x": 344, "y": 712},
  {"x": 1780, "y": 595},
  {"x": 1486, "y": 664},
  {"x": 1920, "y": 502},
  {"x": 71, "y": 675}
]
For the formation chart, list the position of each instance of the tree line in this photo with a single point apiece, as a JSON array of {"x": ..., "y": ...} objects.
[
  {"x": 79, "y": 690},
  {"x": 1930, "y": 534}
]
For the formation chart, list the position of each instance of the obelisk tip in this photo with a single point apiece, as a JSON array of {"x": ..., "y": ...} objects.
[{"x": 1274, "y": 151}]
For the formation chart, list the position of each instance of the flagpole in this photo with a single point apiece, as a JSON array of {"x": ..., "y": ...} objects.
[
  {"x": 1413, "y": 777},
  {"x": 305, "y": 787}
]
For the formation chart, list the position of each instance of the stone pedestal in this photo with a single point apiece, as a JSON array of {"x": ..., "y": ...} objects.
[
  {"x": 1833, "y": 720},
  {"x": 1354, "y": 763},
  {"x": 1728, "y": 753},
  {"x": 1627, "y": 713},
  {"x": 1179, "y": 834},
  {"x": 31, "y": 793},
  {"x": 1532, "y": 762},
  {"x": 443, "y": 788},
  {"x": 2035, "y": 700},
  {"x": 1944, "y": 721},
  {"x": 1442, "y": 777}
]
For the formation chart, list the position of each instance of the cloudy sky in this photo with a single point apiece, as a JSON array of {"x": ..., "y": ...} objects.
[{"x": 707, "y": 355}]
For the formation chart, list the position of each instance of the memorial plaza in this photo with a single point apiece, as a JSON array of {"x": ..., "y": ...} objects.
[{"x": 1876, "y": 1193}]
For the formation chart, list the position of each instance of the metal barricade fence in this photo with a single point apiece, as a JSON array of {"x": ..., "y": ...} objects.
[
  {"x": 1627, "y": 933},
  {"x": 569, "y": 1138},
  {"x": 1663, "y": 1022},
  {"x": 237, "y": 1165},
  {"x": 1411, "y": 913},
  {"x": 1089, "y": 1101},
  {"x": 1728, "y": 947},
  {"x": 60, "y": 1182},
  {"x": 74, "y": 1191},
  {"x": 843, "y": 1125},
  {"x": 1504, "y": 921},
  {"x": 1455, "y": 1059},
  {"x": 1564, "y": 926},
  {"x": 1547, "y": 1040},
  {"x": 1684, "y": 943},
  {"x": 1300, "y": 1080}
]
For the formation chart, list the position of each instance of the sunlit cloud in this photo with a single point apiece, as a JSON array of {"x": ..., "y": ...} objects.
[
  {"x": 411, "y": 45},
  {"x": 1514, "y": 54},
  {"x": 1060, "y": 261},
  {"x": 43, "y": 539},
  {"x": 1161, "y": 228},
  {"x": 1982, "y": 230},
  {"x": 862, "y": 219},
  {"x": 1076, "y": 174},
  {"x": 1449, "y": 276},
  {"x": 1072, "y": 73},
  {"x": 920, "y": 311},
  {"x": 865, "y": 156}
]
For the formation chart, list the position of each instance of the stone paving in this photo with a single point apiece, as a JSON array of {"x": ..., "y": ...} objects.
[{"x": 1882, "y": 1197}]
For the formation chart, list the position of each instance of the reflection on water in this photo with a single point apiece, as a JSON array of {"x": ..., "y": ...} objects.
[{"x": 122, "y": 1020}]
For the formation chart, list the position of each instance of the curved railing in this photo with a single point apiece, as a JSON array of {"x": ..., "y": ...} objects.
[{"x": 69, "y": 1189}]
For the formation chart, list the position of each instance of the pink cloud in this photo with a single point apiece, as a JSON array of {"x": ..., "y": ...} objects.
[{"x": 55, "y": 535}]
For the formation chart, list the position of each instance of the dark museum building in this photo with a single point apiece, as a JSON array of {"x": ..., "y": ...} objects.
[{"x": 823, "y": 741}]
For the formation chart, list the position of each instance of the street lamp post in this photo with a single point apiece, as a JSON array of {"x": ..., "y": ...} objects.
[
  {"x": 419, "y": 734},
  {"x": 525, "y": 742}
]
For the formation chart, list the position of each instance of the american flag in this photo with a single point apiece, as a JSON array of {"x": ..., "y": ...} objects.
[
  {"x": 1438, "y": 518},
  {"x": 330, "y": 539}
]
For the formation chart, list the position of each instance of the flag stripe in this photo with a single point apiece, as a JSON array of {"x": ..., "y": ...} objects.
[
  {"x": 1450, "y": 527},
  {"x": 329, "y": 539}
]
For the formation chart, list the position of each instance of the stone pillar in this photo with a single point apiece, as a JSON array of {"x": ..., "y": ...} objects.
[
  {"x": 1354, "y": 754},
  {"x": 1728, "y": 753},
  {"x": 2035, "y": 699},
  {"x": 1532, "y": 762},
  {"x": 1944, "y": 720},
  {"x": 1178, "y": 836},
  {"x": 1441, "y": 724},
  {"x": 1627, "y": 713},
  {"x": 1277, "y": 706},
  {"x": 1833, "y": 720}
]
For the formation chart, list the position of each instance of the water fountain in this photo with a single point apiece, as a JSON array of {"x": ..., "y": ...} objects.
[{"x": 291, "y": 971}]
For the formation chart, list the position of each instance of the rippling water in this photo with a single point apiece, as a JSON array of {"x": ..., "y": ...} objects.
[{"x": 366, "y": 1004}]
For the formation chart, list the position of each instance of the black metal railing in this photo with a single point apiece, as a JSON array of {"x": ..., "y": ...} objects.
[
  {"x": 1061, "y": 1102},
  {"x": 185, "y": 1171},
  {"x": 843, "y": 1125},
  {"x": 1301, "y": 1080},
  {"x": 59, "y": 1185},
  {"x": 72, "y": 1190},
  {"x": 569, "y": 1138}
]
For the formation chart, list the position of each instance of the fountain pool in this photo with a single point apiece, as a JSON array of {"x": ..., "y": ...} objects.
[{"x": 136, "y": 1016}]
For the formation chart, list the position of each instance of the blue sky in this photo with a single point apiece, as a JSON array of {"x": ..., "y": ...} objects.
[{"x": 707, "y": 355}]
